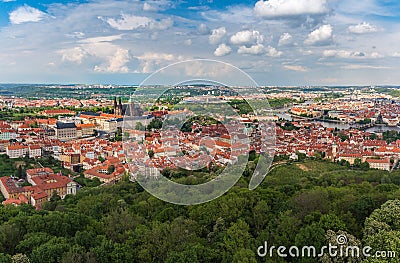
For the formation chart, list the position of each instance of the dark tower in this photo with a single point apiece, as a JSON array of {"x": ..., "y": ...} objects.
[
  {"x": 115, "y": 105},
  {"x": 120, "y": 112}
]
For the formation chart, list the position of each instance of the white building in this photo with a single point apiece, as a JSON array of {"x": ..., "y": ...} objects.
[
  {"x": 16, "y": 151},
  {"x": 35, "y": 151},
  {"x": 381, "y": 164},
  {"x": 66, "y": 131},
  {"x": 8, "y": 134}
]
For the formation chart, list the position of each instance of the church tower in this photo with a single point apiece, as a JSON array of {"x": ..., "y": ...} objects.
[
  {"x": 120, "y": 109},
  {"x": 117, "y": 106}
]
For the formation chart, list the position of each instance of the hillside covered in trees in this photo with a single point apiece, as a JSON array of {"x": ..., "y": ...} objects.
[{"x": 297, "y": 204}]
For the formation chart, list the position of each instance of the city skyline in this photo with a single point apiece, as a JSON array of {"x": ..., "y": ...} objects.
[{"x": 292, "y": 42}]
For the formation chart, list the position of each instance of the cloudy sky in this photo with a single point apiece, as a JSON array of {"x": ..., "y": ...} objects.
[{"x": 277, "y": 42}]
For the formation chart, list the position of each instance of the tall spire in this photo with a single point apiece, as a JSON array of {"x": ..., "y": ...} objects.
[
  {"x": 115, "y": 105},
  {"x": 120, "y": 107}
]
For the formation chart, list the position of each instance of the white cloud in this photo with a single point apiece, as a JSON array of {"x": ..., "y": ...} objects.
[
  {"x": 222, "y": 50},
  {"x": 203, "y": 29},
  {"x": 157, "y": 5},
  {"x": 350, "y": 54},
  {"x": 375, "y": 55},
  {"x": 343, "y": 53},
  {"x": 253, "y": 50},
  {"x": 113, "y": 58},
  {"x": 396, "y": 54},
  {"x": 150, "y": 61},
  {"x": 286, "y": 8},
  {"x": 320, "y": 36},
  {"x": 217, "y": 35},
  {"x": 363, "y": 28},
  {"x": 285, "y": 39},
  {"x": 259, "y": 49},
  {"x": 306, "y": 52},
  {"x": 25, "y": 14},
  {"x": 163, "y": 24},
  {"x": 357, "y": 66},
  {"x": 75, "y": 54},
  {"x": 295, "y": 68},
  {"x": 149, "y": 7},
  {"x": 129, "y": 22},
  {"x": 157, "y": 56},
  {"x": 247, "y": 37},
  {"x": 101, "y": 39},
  {"x": 217, "y": 71},
  {"x": 116, "y": 62},
  {"x": 272, "y": 52},
  {"x": 132, "y": 22}
]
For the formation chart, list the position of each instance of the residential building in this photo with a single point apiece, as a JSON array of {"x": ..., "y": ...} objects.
[
  {"x": 381, "y": 164},
  {"x": 8, "y": 134},
  {"x": 65, "y": 131},
  {"x": 87, "y": 129},
  {"x": 35, "y": 151},
  {"x": 44, "y": 182},
  {"x": 16, "y": 151},
  {"x": 56, "y": 112}
]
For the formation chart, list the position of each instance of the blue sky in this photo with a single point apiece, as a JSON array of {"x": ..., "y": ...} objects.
[{"x": 277, "y": 42}]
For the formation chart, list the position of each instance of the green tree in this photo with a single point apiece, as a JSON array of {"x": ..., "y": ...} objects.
[
  {"x": 51, "y": 251},
  {"x": 55, "y": 197},
  {"x": 20, "y": 172},
  {"x": 111, "y": 169},
  {"x": 10, "y": 235},
  {"x": 382, "y": 229},
  {"x": 4, "y": 258},
  {"x": 32, "y": 240}
]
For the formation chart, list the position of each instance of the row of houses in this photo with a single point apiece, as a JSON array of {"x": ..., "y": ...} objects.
[
  {"x": 44, "y": 183},
  {"x": 348, "y": 145}
]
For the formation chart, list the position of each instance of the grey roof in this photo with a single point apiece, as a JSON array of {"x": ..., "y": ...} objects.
[
  {"x": 89, "y": 113},
  {"x": 65, "y": 125}
]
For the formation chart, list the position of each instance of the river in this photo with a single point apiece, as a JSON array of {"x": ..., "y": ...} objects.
[{"x": 343, "y": 126}]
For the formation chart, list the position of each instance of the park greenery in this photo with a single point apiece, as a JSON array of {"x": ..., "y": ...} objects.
[
  {"x": 298, "y": 203},
  {"x": 18, "y": 166}
]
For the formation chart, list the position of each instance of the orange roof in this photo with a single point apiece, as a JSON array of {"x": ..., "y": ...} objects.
[
  {"x": 107, "y": 115},
  {"x": 12, "y": 201},
  {"x": 223, "y": 144},
  {"x": 34, "y": 147},
  {"x": 39, "y": 171},
  {"x": 39, "y": 195},
  {"x": 86, "y": 125},
  {"x": 16, "y": 147},
  {"x": 58, "y": 111},
  {"x": 378, "y": 161}
]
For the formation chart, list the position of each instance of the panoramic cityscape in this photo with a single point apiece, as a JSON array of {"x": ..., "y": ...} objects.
[{"x": 63, "y": 144}]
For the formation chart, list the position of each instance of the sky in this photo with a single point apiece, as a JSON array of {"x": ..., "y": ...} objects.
[{"x": 276, "y": 42}]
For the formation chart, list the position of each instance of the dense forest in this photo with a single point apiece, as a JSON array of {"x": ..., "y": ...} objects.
[{"x": 304, "y": 203}]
